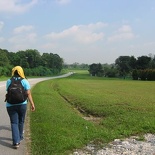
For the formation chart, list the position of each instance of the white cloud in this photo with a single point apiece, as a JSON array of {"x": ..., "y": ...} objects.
[
  {"x": 49, "y": 46},
  {"x": 98, "y": 25},
  {"x": 15, "y": 5},
  {"x": 23, "y": 39},
  {"x": 63, "y": 1},
  {"x": 23, "y": 28},
  {"x": 80, "y": 33},
  {"x": 123, "y": 33},
  {"x": 1, "y": 25},
  {"x": 124, "y": 29}
]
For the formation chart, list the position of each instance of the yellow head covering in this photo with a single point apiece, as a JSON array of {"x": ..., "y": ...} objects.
[{"x": 19, "y": 70}]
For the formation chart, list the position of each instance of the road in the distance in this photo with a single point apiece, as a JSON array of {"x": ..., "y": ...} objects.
[{"x": 5, "y": 130}]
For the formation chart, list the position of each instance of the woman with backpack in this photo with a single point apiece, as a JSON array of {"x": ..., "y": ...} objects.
[{"x": 17, "y": 97}]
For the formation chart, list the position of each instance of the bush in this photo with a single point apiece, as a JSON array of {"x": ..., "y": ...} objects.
[{"x": 147, "y": 74}]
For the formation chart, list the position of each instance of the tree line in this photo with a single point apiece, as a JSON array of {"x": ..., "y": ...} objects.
[
  {"x": 32, "y": 61},
  {"x": 140, "y": 68},
  {"x": 35, "y": 64}
]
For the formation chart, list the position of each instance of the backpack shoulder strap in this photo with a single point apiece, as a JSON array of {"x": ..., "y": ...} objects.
[
  {"x": 16, "y": 79},
  {"x": 12, "y": 80}
]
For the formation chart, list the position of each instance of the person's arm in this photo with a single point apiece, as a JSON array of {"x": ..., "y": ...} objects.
[{"x": 31, "y": 100}]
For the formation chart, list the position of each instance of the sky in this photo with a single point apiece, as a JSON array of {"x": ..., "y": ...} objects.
[{"x": 79, "y": 31}]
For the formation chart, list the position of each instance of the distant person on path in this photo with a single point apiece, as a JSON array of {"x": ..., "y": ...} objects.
[{"x": 17, "y": 109}]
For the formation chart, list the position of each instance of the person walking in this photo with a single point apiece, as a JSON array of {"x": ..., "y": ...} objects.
[{"x": 17, "y": 109}]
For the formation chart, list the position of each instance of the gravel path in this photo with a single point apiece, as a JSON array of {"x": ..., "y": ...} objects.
[{"x": 129, "y": 146}]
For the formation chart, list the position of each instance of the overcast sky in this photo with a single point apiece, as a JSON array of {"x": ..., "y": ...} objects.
[{"x": 83, "y": 31}]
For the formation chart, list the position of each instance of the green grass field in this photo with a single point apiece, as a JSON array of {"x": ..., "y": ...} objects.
[{"x": 120, "y": 108}]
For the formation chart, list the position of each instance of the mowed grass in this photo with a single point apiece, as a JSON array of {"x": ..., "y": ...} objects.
[{"x": 124, "y": 108}]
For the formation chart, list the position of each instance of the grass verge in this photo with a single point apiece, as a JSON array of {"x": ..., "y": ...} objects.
[{"x": 125, "y": 108}]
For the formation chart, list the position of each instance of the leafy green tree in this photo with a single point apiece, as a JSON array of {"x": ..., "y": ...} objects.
[
  {"x": 93, "y": 69},
  {"x": 110, "y": 70},
  {"x": 46, "y": 60},
  {"x": 84, "y": 66},
  {"x": 152, "y": 61},
  {"x": 76, "y": 66},
  {"x": 4, "y": 61},
  {"x": 132, "y": 62},
  {"x": 57, "y": 63},
  {"x": 24, "y": 63},
  {"x": 33, "y": 58},
  {"x": 143, "y": 62},
  {"x": 21, "y": 59},
  {"x": 52, "y": 61},
  {"x": 14, "y": 59},
  {"x": 96, "y": 69},
  {"x": 123, "y": 65},
  {"x": 32, "y": 62}
]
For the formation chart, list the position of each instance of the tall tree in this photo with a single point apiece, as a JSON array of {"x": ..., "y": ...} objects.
[
  {"x": 33, "y": 58},
  {"x": 13, "y": 58},
  {"x": 152, "y": 61},
  {"x": 96, "y": 69},
  {"x": 123, "y": 65},
  {"x": 57, "y": 62},
  {"x": 143, "y": 62},
  {"x": 4, "y": 61},
  {"x": 132, "y": 62}
]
